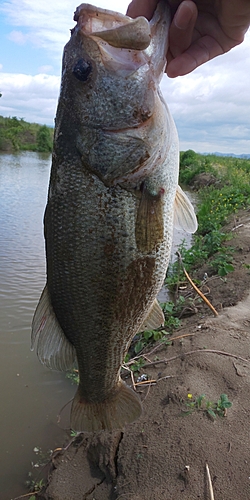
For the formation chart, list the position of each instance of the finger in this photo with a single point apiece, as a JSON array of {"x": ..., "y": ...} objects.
[
  {"x": 234, "y": 18},
  {"x": 198, "y": 53},
  {"x": 144, "y": 8},
  {"x": 182, "y": 26}
]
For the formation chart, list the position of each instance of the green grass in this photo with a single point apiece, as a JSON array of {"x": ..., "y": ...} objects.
[{"x": 230, "y": 192}]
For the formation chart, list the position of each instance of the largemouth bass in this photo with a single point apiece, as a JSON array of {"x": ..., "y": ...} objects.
[{"x": 112, "y": 200}]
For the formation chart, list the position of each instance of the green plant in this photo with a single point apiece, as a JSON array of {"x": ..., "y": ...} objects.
[
  {"x": 73, "y": 433},
  {"x": 222, "y": 264},
  {"x": 33, "y": 484},
  {"x": 73, "y": 375},
  {"x": 43, "y": 138},
  {"x": 149, "y": 337},
  {"x": 222, "y": 405},
  {"x": 246, "y": 266},
  {"x": 137, "y": 365},
  {"x": 212, "y": 409}
]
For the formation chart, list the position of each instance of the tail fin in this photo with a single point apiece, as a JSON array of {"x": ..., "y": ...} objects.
[{"x": 122, "y": 408}]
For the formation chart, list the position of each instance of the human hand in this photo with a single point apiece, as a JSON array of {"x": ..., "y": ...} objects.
[{"x": 200, "y": 29}]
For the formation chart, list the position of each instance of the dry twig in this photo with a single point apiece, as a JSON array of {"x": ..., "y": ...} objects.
[
  {"x": 27, "y": 495},
  {"x": 144, "y": 383},
  {"x": 213, "y": 351},
  {"x": 210, "y": 483},
  {"x": 195, "y": 287}
]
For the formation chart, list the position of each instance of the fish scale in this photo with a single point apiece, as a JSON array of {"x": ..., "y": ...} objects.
[{"x": 109, "y": 218}]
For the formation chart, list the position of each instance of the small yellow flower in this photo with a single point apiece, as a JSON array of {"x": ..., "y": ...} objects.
[{"x": 190, "y": 396}]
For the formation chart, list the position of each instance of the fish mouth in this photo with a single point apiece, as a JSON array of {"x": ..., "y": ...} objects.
[
  {"x": 117, "y": 30},
  {"x": 122, "y": 41},
  {"x": 126, "y": 44}
]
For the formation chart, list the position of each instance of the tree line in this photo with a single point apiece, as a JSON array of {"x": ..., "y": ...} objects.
[{"x": 18, "y": 135}]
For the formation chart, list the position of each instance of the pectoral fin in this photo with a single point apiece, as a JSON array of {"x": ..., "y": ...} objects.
[
  {"x": 184, "y": 215},
  {"x": 53, "y": 349},
  {"x": 149, "y": 229},
  {"x": 154, "y": 319}
]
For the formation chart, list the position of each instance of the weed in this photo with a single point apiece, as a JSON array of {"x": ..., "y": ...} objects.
[
  {"x": 73, "y": 375},
  {"x": 222, "y": 404},
  {"x": 211, "y": 408},
  {"x": 35, "y": 485},
  {"x": 137, "y": 365},
  {"x": 222, "y": 264},
  {"x": 246, "y": 266},
  {"x": 73, "y": 433},
  {"x": 149, "y": 337}
]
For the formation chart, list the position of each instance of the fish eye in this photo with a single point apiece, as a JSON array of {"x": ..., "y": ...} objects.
[{"x": 82, "y": 70}]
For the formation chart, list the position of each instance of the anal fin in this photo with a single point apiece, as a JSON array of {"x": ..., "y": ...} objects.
[
  {"x": 154, "y": 319},
  {"x": 53, "y": 348}
]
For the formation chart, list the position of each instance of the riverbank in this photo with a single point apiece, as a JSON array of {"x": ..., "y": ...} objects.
[
  {"x": 163, "y": 455},
  {"x": 18, "y": 135}
]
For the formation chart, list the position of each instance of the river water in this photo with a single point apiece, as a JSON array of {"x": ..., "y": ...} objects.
[{"x": 31, "y": 395}]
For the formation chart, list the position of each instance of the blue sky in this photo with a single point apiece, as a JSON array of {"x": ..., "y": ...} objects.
[{"x": 211, "y": 106}]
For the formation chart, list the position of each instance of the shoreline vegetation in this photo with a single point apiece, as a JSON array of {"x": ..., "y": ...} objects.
[
  {"x": 18, "y": 135},
  {"x": 224, "y": 189}
]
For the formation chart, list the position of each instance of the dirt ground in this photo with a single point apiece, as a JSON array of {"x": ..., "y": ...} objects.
[{"x": 163, "y": 455}]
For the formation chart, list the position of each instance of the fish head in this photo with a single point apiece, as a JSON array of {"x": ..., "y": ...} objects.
[{"x": 112, "y": 66}]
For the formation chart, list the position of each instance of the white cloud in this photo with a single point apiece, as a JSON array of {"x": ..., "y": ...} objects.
[
  {"x": 49, "y": 22},
  {"x": 211, "y": 106},
  {"x": 31, "y": 97},
  {"x": 18, "y": 37}
]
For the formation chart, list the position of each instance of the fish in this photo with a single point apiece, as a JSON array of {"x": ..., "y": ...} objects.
[{"x": 113, "y": 199}]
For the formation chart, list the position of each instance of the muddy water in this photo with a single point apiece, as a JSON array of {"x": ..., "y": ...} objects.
[{"x": 31, "y": 395}]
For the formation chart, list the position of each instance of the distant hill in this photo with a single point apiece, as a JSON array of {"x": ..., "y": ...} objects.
[{"x": 232, "y": 155}]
